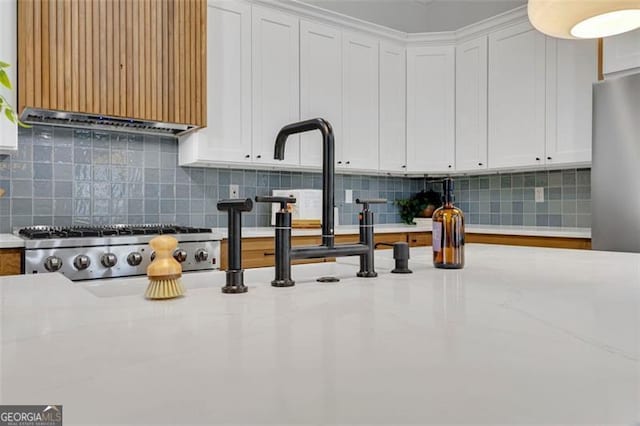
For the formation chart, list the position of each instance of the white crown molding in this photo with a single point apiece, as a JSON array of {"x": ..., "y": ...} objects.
[
  {"x": 308, "y": 11},
  {"x": 431, "y": 39},
  {"x": 340, "y": 21},
  {"x": 477, "y": 29},
  {"x": 493, "y": 23}
]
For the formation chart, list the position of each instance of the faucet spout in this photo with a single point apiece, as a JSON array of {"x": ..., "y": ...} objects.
[
  {"x": 301, "y": 127},
  {"x": 328, "y": 167}
]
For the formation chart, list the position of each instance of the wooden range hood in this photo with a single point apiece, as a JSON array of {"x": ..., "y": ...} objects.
[{"x": 134, "y": 65}]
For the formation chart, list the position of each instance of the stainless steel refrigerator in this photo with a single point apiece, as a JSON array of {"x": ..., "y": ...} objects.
[{"x": 615, "y": 173}]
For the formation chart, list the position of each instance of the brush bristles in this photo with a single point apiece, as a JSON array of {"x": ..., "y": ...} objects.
[{"x": 164, "y": 289}]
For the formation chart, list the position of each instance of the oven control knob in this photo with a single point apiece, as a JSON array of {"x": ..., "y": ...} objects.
[
  {"x": 81, "y": 262},
  {"x": 201, "y": 255},
  {"x": 180, "y": 255},
  {"x": 53, "y": 263},
  {"x": 134, "y": 259},
  {"x": 109, "y": 260},
  {"x": 153, "y": 256}
]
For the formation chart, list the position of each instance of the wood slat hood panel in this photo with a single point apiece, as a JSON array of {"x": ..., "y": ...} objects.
[{"x": 140, "y": 59}]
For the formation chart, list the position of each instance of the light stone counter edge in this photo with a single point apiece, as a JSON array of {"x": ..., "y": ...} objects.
[
  {"x": 10, "y": 241},
  {"x": 541, "y": 231}
]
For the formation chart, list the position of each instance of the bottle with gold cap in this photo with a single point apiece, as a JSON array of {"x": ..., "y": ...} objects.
[{"x": 448, "y": 232}]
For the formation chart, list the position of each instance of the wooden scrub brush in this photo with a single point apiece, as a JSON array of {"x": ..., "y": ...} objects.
[{"x": 164, "y": 272}]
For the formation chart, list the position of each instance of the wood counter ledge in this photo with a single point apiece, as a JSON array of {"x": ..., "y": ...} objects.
[
  {"x": 258, "y": 243},
  {"x": 11, "y": 254}
]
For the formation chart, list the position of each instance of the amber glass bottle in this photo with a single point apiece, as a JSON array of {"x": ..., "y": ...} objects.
[{"x": 448, "y": 232}]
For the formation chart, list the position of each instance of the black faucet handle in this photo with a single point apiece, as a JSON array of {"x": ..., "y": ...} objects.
[
  {"x": 234, "y": 274},
  {"x": 273, "y": 199},
  {"x": 236, "y": 204},
  {"x": 365, "y": 202}
]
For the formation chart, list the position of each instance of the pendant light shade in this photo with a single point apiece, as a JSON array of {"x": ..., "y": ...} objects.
[{"x": 584, "y": 18}]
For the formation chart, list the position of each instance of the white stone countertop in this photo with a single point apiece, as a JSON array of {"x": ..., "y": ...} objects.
[
  {"x": 544, "y": 231},
  {"x": 541, "y": 231},
  {"x": 521, "y": 335},
  {"x": 266, "y": 231},
  {"x": 10, "y": 241}
]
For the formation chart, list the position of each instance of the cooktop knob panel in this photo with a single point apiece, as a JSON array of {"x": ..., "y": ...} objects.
[
  {"x": 134, "y": 259},
  {"x": 81, "y": 262},
  {"x": 53, "y": 263},
  {"x": 201, "y": 255},
  {"x": 108, "y": 260},
  {"x": 180, "y": 255}
]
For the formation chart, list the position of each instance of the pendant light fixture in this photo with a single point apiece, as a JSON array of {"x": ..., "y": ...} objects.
[{"x": 574, "y": 19}]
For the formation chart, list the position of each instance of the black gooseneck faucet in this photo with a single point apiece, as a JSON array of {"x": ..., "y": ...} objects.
[
  {"x": 328, "y": 248},
  {"x": 328, "y": 167}
]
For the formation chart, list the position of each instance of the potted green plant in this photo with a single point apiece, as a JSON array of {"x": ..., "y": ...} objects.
[
  {"x": 421, "y": 204},
  {"x": 6, "y": 108}
]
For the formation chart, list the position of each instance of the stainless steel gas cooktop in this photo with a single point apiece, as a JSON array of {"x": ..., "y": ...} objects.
[{"x": 91, "y": 252}]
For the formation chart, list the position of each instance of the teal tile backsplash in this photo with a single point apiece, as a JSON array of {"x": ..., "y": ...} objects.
[
  {"x": 509, "y": 199},
  {"x": 78, "y": 177}
]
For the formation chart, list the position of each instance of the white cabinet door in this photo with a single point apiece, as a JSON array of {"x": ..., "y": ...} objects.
[
  {"x": 430, "y": 109},
  {"x": 8, "y": 53},
  {"x": 622, "y": 53},
  {"x": 320, "y": 86},
  {"x": 393, "y": 100},
  {"x": 228, "y": 135},
  {"x": 572, "y": 68},
  {"x": 359, "y": 145},
  {"x": 516, "y": 97},
  {"x": 276, "y": 88},
  {"x": 471, "y": 105}
]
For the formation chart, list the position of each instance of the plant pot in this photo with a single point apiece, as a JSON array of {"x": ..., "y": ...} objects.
[{"x": 428, "y": 211}]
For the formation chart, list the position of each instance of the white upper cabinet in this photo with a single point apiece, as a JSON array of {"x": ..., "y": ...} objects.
[
  {"x": 430, "y": 109},
  {"x": 358, "y": 147},
  {"x": 228, "y": 135},
  {"x": 572, "y": 69},
  {"x": 276, "y": 83},
  {"x": 320, "y": 86},
  {"x": 511, "y": 98},
  {"x": 8, "y": 53},
  {"x": 393, "y": 100},
  {"x": 622, "y": 53},
  {"x": 471, "y": 105},
  {"x": 516, "y": 97}
]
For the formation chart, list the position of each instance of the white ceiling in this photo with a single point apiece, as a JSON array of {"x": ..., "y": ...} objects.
[{"x": 417, "y": 16}]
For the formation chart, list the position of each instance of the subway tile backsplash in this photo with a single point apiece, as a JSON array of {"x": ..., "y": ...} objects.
[
  {"x": 81, "y": 177},
  {"x": 509, "y": 199}
]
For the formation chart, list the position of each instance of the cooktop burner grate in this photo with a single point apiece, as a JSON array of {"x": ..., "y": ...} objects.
[{"x": 49, "y": 232}]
